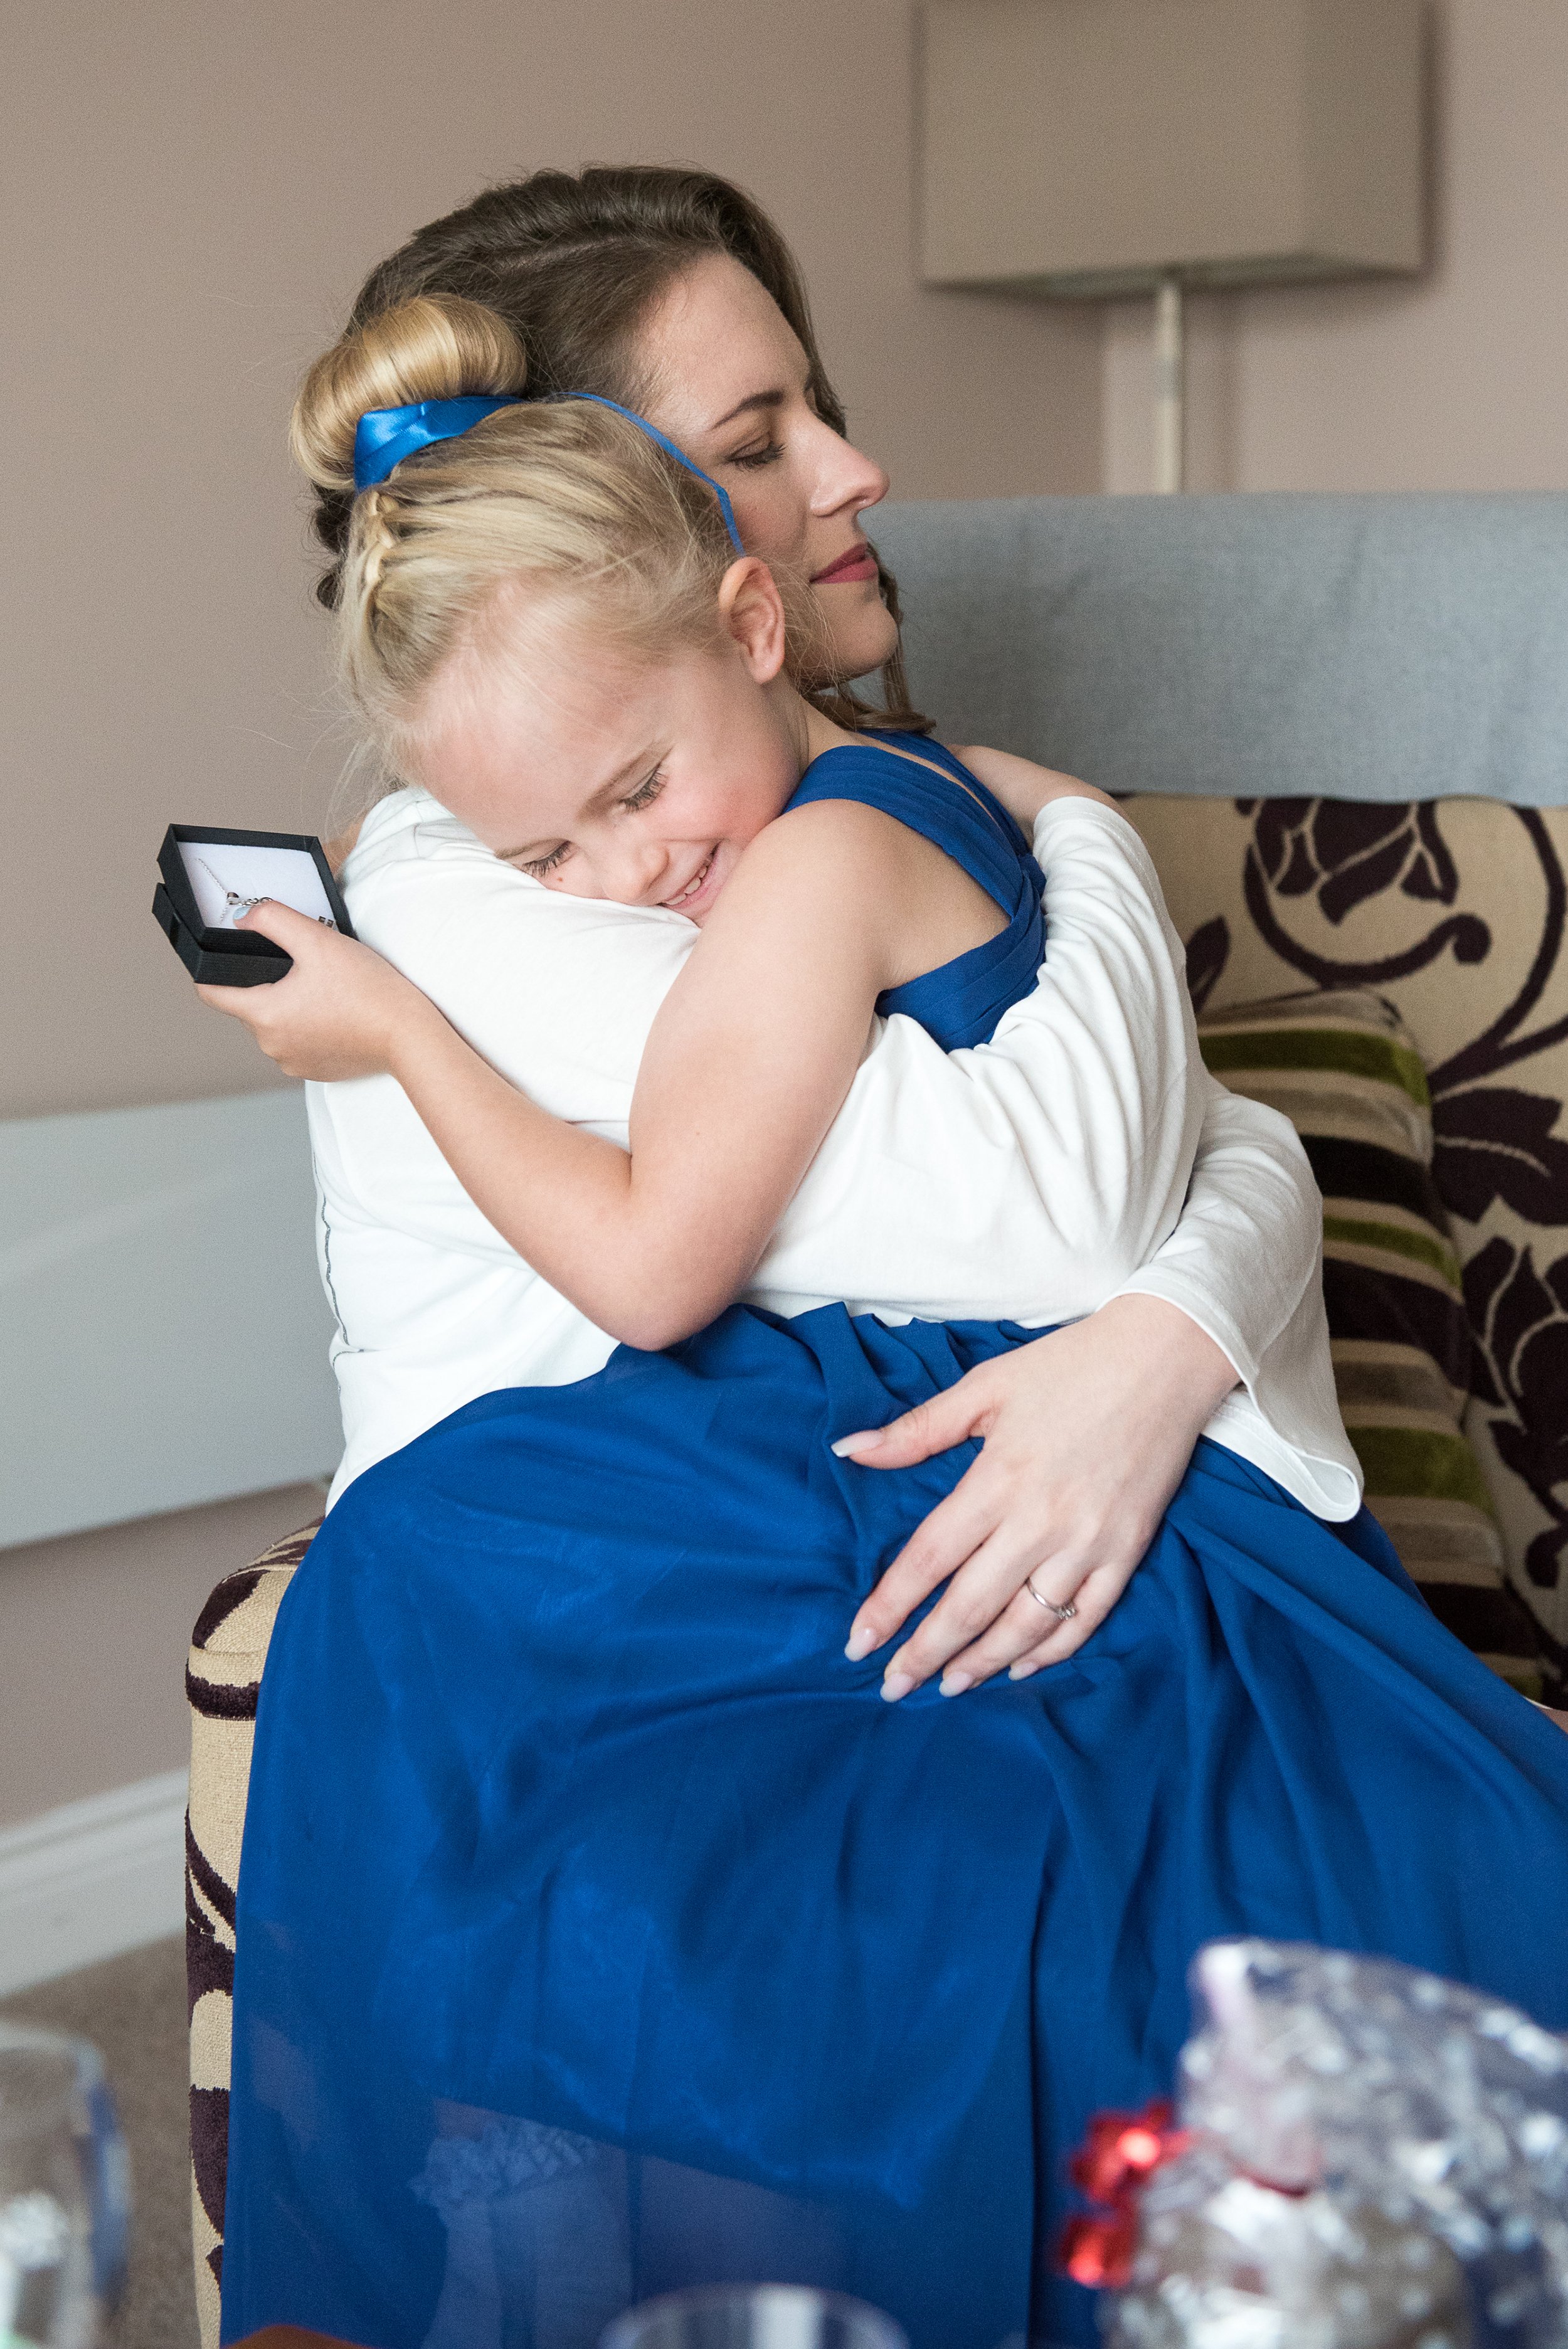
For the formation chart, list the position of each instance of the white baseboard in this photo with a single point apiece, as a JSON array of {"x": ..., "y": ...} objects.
[{"x": 92, "y": 1880}]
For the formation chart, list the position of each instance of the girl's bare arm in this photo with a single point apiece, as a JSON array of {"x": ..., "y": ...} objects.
[{"x": 748, "y": 1063}]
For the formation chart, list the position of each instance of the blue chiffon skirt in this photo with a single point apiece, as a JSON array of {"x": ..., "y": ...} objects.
[{"x": 602, "y": 1931}]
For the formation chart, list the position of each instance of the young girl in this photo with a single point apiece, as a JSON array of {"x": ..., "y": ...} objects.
[{"x": 661, "y": 1950}]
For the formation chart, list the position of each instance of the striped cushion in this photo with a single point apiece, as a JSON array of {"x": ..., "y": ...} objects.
[{"x": 1343, "y": 1069}]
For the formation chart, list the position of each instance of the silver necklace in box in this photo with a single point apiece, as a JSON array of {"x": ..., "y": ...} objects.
[{"x": 234, "y": 905}]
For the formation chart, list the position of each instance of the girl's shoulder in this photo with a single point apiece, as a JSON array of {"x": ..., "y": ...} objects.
[{"x": 849, "y": 835}]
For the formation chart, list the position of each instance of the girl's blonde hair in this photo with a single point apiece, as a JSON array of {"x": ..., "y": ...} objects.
[{"x": 561, "y": 495}]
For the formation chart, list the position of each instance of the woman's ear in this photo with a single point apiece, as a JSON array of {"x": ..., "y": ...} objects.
[{"x": 751, "y": 611}]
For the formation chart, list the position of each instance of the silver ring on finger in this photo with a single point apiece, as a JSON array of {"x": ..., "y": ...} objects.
[{"x": 1063, "y": 1614}]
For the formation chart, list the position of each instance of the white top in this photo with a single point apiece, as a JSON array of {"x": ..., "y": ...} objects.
[{"x": 1030, "y": 1178}]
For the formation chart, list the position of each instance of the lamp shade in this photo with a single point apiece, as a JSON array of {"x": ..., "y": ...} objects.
[{"x": 1093, "y": 148}]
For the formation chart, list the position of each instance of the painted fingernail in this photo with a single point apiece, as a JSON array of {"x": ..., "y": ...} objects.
[
  {"x": 896, "y": 1684},
  {"x": 955, "y": 1683},
  {"x": 850, "y": 1447},
  {"x": 861, "y": 1642},
  {"x": 1021, "y": 1672}
]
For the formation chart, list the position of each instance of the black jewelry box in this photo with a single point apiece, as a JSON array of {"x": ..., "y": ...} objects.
[{"x": 211, "y": 875}]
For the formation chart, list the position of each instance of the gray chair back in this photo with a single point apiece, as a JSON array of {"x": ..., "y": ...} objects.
[{"x": 1366, "y": 647}]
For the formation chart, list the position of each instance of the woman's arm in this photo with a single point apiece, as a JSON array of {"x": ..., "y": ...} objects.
[
  {"x": 1136, "y": 1382},
  {"x": 1024, "y": 788},
  {"x": 1087, "y": 1432}
]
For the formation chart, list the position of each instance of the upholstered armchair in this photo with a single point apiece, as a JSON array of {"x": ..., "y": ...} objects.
[{"x": 1340, "y": 723}]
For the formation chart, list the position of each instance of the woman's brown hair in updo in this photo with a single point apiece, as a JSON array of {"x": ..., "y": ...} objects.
[{"x": 571, "y": 262}]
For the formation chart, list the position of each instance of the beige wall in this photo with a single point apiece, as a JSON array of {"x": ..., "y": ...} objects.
[
  {"x": 1457, "y": 382},
  {"x": 93, "y": 1634},
  {"x": 196, "y": 189}
]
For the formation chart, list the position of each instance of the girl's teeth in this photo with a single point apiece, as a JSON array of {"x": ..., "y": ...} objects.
[{"x": 691, "y": 888}]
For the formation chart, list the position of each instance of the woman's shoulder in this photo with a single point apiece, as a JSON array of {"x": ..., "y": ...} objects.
[
  {"x": 1022, "y": 785},
  {"x": 402, "y": 827}
]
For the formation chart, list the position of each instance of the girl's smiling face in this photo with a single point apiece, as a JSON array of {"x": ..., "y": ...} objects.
[{"x": 639, "y": 779}]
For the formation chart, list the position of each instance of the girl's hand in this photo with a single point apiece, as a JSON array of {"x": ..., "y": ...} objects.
[
  {"x": 341, "y": 1012},
  {"x": 1087, "y": 1434}
]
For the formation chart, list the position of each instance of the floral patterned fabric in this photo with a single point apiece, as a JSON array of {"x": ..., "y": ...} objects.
[
  {"x": 1454, "y": 911},
  {"x": 1338, "y": 1063}
]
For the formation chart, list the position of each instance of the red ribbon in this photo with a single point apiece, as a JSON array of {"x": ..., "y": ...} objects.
[{"x": 1114, "y": 2162}]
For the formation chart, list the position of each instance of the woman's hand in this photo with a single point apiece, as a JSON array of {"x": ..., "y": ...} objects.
[
  {"x": 1024, "y": 788},
  {"x": 341, "y": 1012},
  {"x": 1087, "y": 1434}
]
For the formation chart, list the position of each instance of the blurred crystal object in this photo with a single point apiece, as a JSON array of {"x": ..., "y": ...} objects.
[
  {"x": 754, "y": 2316},
  {"x": 64, "y": 2193},
  {"x": 1376, "y": 2157}
]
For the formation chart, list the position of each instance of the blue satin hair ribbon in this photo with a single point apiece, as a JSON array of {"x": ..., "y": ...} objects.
[{"x": 385, "y": 436}]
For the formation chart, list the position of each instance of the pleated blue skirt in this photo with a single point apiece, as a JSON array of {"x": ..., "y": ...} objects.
[{"x": 602, "y": 1931}]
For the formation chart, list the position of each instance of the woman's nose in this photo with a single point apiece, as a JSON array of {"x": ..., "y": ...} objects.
[{"x": 846, "y": 477}]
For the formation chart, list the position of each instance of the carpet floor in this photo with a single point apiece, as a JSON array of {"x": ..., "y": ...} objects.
[{"x": 133, "y": 2008}]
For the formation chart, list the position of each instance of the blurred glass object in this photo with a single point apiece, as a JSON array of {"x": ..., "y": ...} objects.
[
  {"x": 1370, "y": 2158},
  {"x": 65, "y": 2193},
  {"x": 754, "y": 2316}
]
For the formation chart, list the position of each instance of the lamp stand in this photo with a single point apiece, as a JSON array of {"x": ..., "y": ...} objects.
[{"x": 1170, "y": 389}]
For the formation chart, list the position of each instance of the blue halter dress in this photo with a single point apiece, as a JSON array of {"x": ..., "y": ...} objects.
[{"x": 603, "y": 1931}]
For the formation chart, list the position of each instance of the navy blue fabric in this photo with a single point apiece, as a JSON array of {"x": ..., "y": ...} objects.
[
  {"x": 960, "y": 1003},
  {"x": 578, "y": 1855}
]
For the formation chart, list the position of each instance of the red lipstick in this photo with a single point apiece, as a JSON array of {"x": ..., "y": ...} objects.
[{"x": 856, "y": 562}]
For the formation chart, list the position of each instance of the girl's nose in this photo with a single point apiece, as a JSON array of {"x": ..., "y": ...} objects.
[{"x": 634, "y": 872}]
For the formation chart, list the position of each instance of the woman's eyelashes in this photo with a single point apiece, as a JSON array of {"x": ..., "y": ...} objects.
[{"x": 750, "y": 459}]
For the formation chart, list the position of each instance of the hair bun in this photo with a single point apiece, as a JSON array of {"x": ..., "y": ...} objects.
[{"x": 436, "y": 346}]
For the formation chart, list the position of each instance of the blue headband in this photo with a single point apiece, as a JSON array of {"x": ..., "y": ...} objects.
[{"x": 384, "y": 436}]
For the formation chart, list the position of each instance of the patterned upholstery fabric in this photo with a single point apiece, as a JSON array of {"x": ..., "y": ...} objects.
[
  {"x": 1453, "y": 911},
  {"x": 1340, "y": 1066},
  {"x": 223, "y": 1682}
]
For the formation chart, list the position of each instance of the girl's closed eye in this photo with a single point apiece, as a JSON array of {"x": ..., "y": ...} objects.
[
  {"x": 537, "y": 867},
  {"x": 646, "y": 792}
]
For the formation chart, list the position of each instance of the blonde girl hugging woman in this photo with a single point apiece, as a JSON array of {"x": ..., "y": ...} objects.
[{"x": 637, "y": 1890}]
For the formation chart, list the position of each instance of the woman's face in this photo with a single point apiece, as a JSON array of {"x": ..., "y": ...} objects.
[{"x": 726, "y": 378}]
